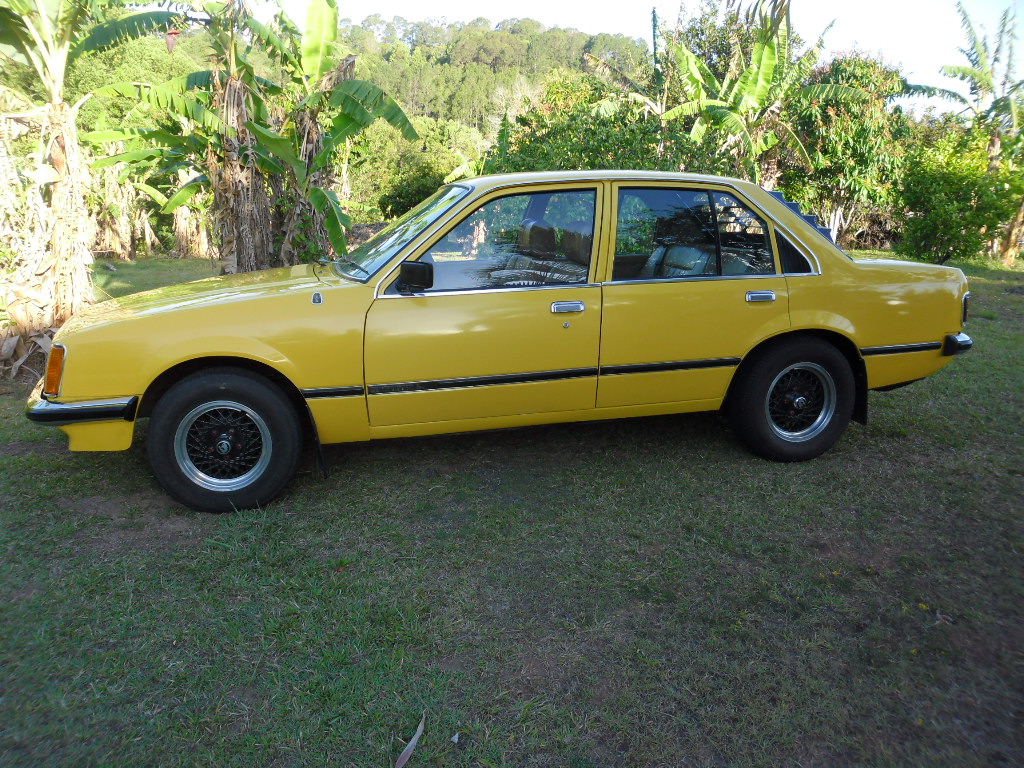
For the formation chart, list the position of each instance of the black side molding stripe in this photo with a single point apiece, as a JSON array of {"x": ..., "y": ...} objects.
[
  {"x": 898, "y": 349},
  {"x": 681, "y": 365},
  {"x": 480, "y": 381},
  {"x": 313, "y": 394}
]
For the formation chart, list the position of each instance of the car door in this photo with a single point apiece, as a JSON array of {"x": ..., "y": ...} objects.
[
  {"x": 694, "y": 285},
  {"x": 511, "y": 325}
]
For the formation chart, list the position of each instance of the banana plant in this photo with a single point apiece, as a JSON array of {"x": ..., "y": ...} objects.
[
  {"x": 749, "y": 106},
  {"x": 48, "y": 36},
  {"x": 357, "y": 104},
  {"x": 228, "y": 123}
]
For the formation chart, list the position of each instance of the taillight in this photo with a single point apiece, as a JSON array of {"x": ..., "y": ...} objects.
[
  {"x": 967, "y": 309},
  {"x": 54, "y": 370}
]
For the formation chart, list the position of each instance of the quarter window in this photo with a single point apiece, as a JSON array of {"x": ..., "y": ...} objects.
[
  {"x": 793, "y": 262},
  {"x": 542, "y": 238},
  {"x": 666, "y": 233}
]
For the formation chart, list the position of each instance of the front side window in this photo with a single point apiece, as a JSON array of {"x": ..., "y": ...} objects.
[
  {"x": 667, "y": 233},
  {"x": 521, "y": 240}
]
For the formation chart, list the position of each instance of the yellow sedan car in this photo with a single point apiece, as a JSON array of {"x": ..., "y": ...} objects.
[{"x": 506, "y": 301}]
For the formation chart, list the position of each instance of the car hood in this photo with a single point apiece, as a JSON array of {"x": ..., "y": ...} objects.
[{"x": 211, "y": 291}]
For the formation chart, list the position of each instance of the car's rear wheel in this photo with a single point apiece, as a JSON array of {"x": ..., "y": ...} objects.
[
  {"x": 224, "y": 439},
  {"x": 791, "y": 402}
]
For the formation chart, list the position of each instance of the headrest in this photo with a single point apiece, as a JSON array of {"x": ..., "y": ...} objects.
[
  {"x": 536, "y": 239},
  {"x": 578, "y": 241}
]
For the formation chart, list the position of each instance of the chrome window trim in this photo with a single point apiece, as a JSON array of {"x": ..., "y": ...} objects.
[
  {"x": 717, "y": 185},
  {"x": 426, "y": 234},
  {"x": 812, "y": 258},
  {"x": 476, "y": 291},
  {"x": 691, "y": 279}
]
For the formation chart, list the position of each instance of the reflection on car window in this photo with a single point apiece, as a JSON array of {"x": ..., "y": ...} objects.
[
  {"x": 666, "y": 233},
  {"x": 379, "y": 249},
  {"x": 743, "y": 236},
  {"x": 542, "y": 238}
]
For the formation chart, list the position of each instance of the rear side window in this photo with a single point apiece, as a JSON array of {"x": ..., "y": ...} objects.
[
  {"x": 793, "y": 262},
  {"x": 667, "y": 233}
]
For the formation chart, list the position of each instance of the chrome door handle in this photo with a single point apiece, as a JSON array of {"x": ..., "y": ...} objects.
[
  {"x": 756, "y": 296},
  {"x": 567, "y": 306}
]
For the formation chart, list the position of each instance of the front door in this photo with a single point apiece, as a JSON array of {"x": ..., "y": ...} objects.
[{"x": 511, "y": 325}]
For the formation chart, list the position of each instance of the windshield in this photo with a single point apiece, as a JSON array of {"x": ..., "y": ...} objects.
[{"x": 363, "y": 261}]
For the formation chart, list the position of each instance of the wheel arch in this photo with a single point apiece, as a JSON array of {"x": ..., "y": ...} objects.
[
  {"x": 162, "y": 383},
  {"x": 837, "y": 340}
]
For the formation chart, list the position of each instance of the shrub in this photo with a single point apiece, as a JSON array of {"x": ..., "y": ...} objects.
[{"x": 954, "y": 204}]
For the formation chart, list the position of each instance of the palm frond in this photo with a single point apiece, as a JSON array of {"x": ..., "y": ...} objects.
[
  {"x": 318, "y": 39},
  {"x": 611, "y": 73},
  {"x": 364, "y": 102},
  {"x": 275, "y": 43},
  {"x": 170, "y": 97},
  {"x": 335, "y": 219},
  {"x": 110, "y": 33}
]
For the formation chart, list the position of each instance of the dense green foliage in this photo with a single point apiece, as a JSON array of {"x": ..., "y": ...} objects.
[
  {"x": 955, "y": 203},
  {"x": 857, "y": 151},
  {"x": 473, "y": 73},
  {"x": 391, "y": 174}
]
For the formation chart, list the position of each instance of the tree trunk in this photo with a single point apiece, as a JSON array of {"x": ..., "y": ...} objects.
[
  {"x": 303, "y": 219},
  {"x": 1009, "y": 248},
  {"x": 53, "y": 281},
  {"x": 241, "y": 203}
]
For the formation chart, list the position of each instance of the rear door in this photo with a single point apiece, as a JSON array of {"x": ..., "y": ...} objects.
[{"x": 694, "y": 285}]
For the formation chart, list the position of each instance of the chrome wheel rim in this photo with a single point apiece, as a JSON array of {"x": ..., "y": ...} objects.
[
  {"x": 222, "y": 445},
  {"x": 801, "y": 402}
]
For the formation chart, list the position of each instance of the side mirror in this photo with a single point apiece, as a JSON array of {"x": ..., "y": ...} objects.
[{"x": 415, "y": 277}]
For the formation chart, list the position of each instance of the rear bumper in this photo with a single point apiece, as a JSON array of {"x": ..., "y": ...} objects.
[
  {"x": 43, "y": 411},
  {"x": 956, "y": 345}
]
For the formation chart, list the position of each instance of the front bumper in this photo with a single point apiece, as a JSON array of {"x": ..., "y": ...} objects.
[
  {"x": 43, "y": 411},
  {"x": 956, "y": 345}
]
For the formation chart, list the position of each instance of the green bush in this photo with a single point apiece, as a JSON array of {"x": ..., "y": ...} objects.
[{"x": 954, "y": 204}]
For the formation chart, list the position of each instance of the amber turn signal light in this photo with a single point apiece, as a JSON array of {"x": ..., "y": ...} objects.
[{"x": 54, "y": 370}]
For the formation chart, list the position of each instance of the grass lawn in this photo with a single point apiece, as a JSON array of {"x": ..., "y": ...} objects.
[{"x": 636, "y": 593}]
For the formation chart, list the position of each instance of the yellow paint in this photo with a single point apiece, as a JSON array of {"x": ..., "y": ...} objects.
[
  {"x": 360, "y": 336},
  {"x": 100, "y": 435}
]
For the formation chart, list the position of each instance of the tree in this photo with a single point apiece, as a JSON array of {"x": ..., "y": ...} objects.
[
  {"x": 54, "y": 282},
  {"x": 578, "y": 124},
  {"x": 995, "y": 106},
  {"x": 857, "y": 148},
  {"x": 751, "y": 106},
  {"x": 255, "y": 156}
]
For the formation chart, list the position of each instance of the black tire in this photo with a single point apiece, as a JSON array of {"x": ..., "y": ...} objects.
[
  {"x": 792, "y": 401},
  {"x": 224, "y": 439}
]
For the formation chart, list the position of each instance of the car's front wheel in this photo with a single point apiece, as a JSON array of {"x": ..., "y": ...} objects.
[
  {"x": 224, "y": 439},
  {"x": 793, "y": 401}
]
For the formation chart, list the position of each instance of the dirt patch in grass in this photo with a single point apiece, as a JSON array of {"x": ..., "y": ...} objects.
[
  {"x": 32, "y": 448},
  {"x": 146, "y": 521}
]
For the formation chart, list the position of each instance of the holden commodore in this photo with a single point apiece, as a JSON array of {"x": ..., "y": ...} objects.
[{"x": 506, "y": 301}]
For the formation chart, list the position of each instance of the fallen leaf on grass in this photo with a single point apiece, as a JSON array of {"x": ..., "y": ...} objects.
[{"x": 407, "y": 752}]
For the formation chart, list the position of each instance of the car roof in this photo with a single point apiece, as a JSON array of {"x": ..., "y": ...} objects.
[{"x": 482, "y": 183}]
